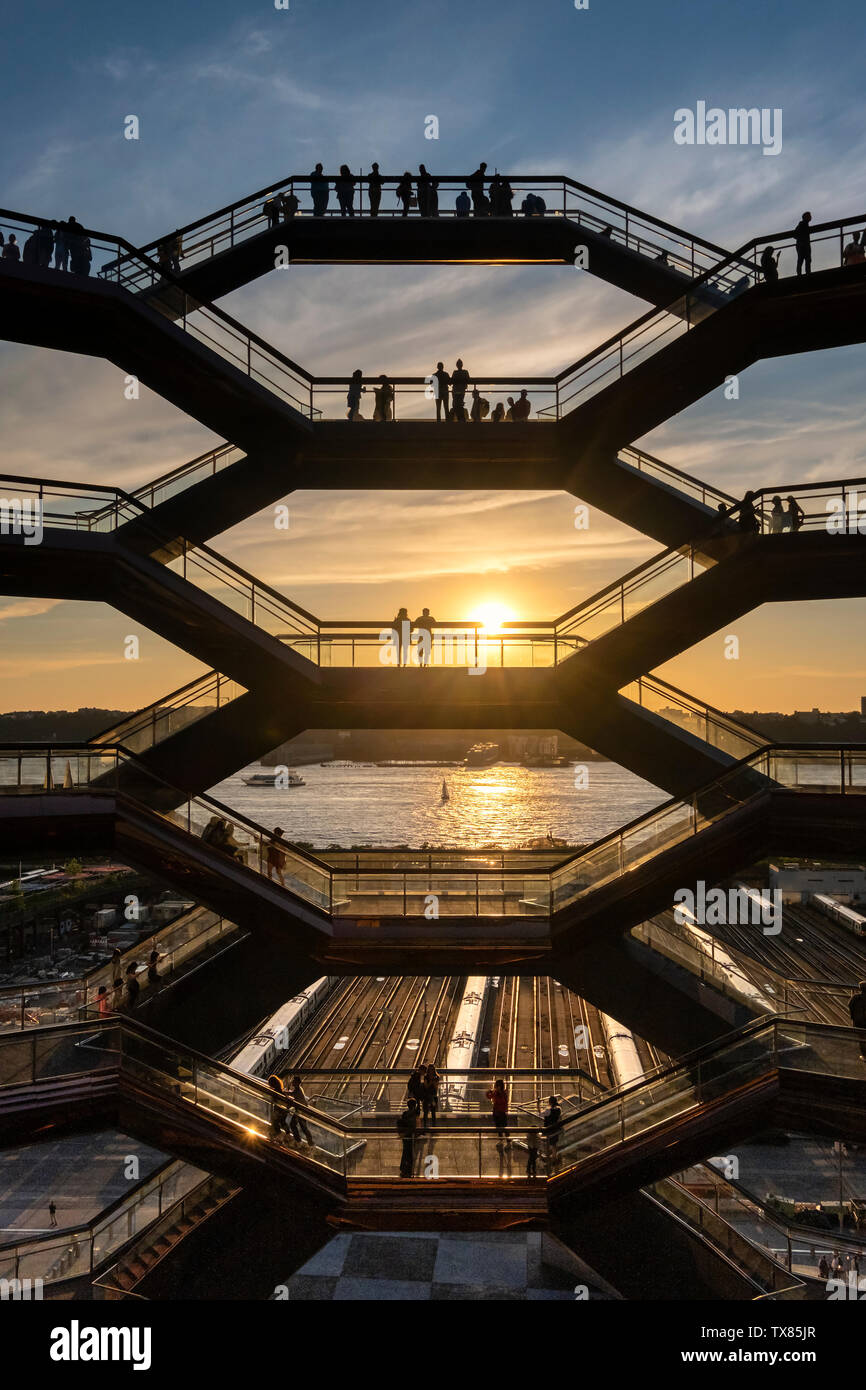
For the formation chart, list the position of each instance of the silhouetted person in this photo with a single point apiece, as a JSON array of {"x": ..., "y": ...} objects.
[
  {"x": 433, "y": 199},
  {"x": 133, "y": 989},
  {"x": 777, "y": 517},
  {"x": 61, "y": 247},
  {"x": 404, "y": 192},
  {"x": 29, "y": 251},
  {"x": 297, "y": 1122},
  {"x": 44, "y": 245},
  {"x": 854, "y": 253},
  {"x": 407, "y": 1124},
  {"x": 289, "y": 204},
  {"x": 462, "y": 205},
  {"x": 374, "y": 190},
  {"x": 424, "y": 182},
  {"x": 415, "y": 1085},
  {"x": 272, "y": 209},
  {"x": 11, "y": 249},
  {"x": 384, "y": 397},
  {"x": 480, "y": 407},
  {"x": 344, "y": 187},
  {"x": 52, "y": 1213},
  {"x": 522, "y": 408},
  {"x": 79, "y": 248},
  {"x": 319, "y": 189},
  {"x": 430, "y": 1097},
  {"x": 353, "y": 397},
  {"x": 552, "y": 1119},
  {"x": 769, "y": 265},
  {"x": 747, "y": 517},
  {"x": 279, "y": 1111},
  {"x": 803, "y": 243},
  {"x": 531, "y": 1152},
  {"x": 498, "y": 413},
  {"x": 475, "y": 184},
  {"x": 153, "y": 967},
  {"x": 795, "y": 514},
  {"x": 501, "y": 195},
  {"x": 459, "y": 387},
  {"x": 857, "y": 1010},
  {"x": 275, "y": 856},
  {"x": 509, "y": 414},
  {"x": 402, "y": 635},
  {"x": 424, "y": 625},
  {"x": 498, "y": 1098},
  {"x": 443, "y": 381}
]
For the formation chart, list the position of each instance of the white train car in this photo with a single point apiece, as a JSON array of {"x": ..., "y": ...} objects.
[
  {"x": 846, "y": 916},
  {"x": 259, "y": 1056},
  {"x": 464, "y": 1044}
]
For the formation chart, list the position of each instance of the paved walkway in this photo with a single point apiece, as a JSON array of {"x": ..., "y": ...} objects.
[
  {"x": 478, "y": 1266},
  {"x": 82, "y": 1173}
]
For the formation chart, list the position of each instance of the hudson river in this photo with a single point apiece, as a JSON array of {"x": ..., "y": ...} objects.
[{"x": 508, "y": 805}]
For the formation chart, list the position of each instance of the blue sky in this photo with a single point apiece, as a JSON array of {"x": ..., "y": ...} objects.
[{"x": 231, "y": 97}]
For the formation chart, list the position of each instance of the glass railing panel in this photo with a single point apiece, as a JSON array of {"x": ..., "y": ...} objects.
[
  {"x": 242, "y": 594},
  {"x": 697, "y": 719},
  {"x": 825, "y": 1051},
  {"x": 814, "y": 770},
  {"x": 736, "y": 1065},
  {"x": 73, "y": 1051},
  {"x": 666, "y": 828},
  {"x": 703, "y": 492},
  {"x": 221, "y": 1095},
  {"x": 17, "y": 1065},
  {"x": 663, "y": 1101},
  {"x": 67, "y": 1258},
  {"x": 597, "y": 1131},
  {"x": 150, "y": 726},
  {"x": 156, "y": 1063},
  {"x": 40, "y": 1006},
  {"x": 163, "y": 489},
  {"x": 716, "y": 1228},
  {"x": 620, "y": 358}
]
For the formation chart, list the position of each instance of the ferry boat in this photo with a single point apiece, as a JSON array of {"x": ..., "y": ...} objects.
[
  {"x": 482, "y": 755},
  {"x": 270, "y": 779}
]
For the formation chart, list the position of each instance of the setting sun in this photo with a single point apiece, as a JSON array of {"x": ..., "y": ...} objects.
[{"x": 492, "y": 615}]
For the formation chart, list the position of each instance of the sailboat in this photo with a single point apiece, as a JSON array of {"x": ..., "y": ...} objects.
[{"x": 445, "y": 796}]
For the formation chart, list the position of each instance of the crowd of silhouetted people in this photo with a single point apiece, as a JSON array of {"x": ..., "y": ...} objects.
[
  {"x": 484, "y": 195},
  {"x": 782, "y": 516},
  {"x": 65, "y": 244},
  {"x": 449, "y": 392},
  {"x": 423, "y": 1099},
  {"x": 853, "y": 253}
]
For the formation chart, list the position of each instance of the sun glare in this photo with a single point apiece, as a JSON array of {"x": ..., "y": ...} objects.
[{"x": 492, "y": 615}]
